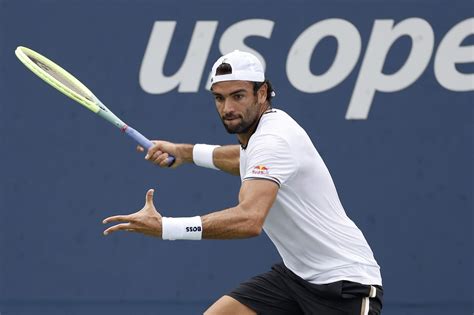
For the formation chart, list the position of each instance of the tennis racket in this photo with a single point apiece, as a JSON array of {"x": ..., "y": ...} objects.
[{"x": 67, "y": 84}]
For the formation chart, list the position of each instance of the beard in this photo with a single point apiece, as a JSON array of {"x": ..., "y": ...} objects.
[{"x": 245, "y": 124}]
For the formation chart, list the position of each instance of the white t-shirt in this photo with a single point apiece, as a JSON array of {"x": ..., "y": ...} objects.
[{"x": 307, "y": 223}]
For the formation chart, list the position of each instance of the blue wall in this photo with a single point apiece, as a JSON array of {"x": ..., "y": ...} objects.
[{"x": 404, "y": 172}]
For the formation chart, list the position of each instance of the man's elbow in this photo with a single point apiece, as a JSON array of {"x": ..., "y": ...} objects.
[
  {"x": 255, "y": 227},
  {"x": 254, "y": 231},
  {"x": 252, "y": 220}
]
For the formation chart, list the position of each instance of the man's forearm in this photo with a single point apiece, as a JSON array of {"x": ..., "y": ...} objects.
[
  {"x": 227, "y": 159},
  {"x": 185, "y": 151},
  {"x": 232, "y": 223}
]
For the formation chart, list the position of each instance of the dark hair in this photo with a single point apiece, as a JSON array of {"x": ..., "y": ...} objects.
[
  {"x": 225, "y": 68},
  {"x": 270, "y": 91}
]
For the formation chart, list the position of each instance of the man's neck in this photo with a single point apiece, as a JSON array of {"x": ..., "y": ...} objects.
[{"x": 245, "y": 137}]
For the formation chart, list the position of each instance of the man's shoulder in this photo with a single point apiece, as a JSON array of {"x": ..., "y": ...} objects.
[
  {"x": 277, "y": 122},
  {"x": 274, "y": 113},
  {"x": 275, "y": 129}
]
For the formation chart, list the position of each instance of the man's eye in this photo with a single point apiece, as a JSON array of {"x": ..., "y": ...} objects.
[
  {"x": 238, "y": 96},
  {"x": 218, "y": 98}
]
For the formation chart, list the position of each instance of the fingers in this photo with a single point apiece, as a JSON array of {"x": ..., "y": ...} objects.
[
  {"x": 158, "y": 153},
  {"x": 118, "y": 218},
  {"x": 160, "y": 159},
  {"x": 146, "y": 221},
  {"x": 155, "y": 148},
  {"x": 157, "y": 156},
  {"x": 149, "y": 197},
  {"x": 119, "y": 227},
  {"x": 163, "y": 161}
]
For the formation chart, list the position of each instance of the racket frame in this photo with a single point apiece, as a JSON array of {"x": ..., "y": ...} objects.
[{"x": 91, "y": 102}]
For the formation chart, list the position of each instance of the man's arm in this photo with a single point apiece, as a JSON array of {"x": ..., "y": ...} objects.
[
  {"x": 242, "y": 221},
  {"x": 245, "y": 220},
  {"x": 226, "y": 158}
]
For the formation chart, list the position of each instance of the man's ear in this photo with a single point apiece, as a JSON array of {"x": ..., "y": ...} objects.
[{"x": 262, "y": 93}]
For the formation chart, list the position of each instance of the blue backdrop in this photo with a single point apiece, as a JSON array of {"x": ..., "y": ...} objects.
[{"x": 404, "y": 171}]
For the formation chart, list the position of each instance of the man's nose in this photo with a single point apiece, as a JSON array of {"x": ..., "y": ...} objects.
[{"x": 228, "y": 106}]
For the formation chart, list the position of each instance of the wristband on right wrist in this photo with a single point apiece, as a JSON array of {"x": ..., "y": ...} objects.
[{"x": 202, "y": 155}]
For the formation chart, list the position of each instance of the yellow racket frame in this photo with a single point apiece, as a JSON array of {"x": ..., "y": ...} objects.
[{"x": 22, "y": 54}]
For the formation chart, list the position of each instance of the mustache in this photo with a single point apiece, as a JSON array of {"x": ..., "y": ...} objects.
[{"x": 231, "y": 116}]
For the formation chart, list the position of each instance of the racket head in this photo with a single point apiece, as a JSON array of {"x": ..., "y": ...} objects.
[{"x": 57, "y": 77}]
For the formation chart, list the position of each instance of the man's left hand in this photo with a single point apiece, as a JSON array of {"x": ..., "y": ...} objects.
[{"x": 146, "y": 221}]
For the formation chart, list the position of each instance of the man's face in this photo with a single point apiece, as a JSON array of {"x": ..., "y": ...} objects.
[{"x": 237, "y": 105}]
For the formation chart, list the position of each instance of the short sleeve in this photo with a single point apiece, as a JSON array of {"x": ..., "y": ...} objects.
[{"x": 269, "y": 157}]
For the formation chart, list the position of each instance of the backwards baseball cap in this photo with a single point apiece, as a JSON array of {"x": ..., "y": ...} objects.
[{"x": 245, "y": 67}]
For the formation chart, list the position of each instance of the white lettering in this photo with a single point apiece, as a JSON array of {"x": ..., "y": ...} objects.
[
  {"x": 371, "y": 78},
  {"x": 299, "y": 57},
  {"x": 451, "y": 52},
  {"x": 234, "y": 37},
  {"x": 188, "y": 77}
]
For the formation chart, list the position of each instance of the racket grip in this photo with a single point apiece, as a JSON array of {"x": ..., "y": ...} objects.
[{"x": 144, "y": 142}]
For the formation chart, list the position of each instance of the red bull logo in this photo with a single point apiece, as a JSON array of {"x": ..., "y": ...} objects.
[{"x": 260, "y": 170}]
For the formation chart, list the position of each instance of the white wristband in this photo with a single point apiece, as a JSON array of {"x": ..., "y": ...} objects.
[
  {"x": 181, "y": 228},
  {"x": 202, "y": 155}
]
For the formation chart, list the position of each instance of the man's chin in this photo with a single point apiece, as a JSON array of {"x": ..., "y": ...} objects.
[
  {"x": 232, "y": 128},
  {"x": 236, "y": 128}
]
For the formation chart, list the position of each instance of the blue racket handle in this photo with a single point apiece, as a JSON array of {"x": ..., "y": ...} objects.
[{"x": 144, "y": 142}]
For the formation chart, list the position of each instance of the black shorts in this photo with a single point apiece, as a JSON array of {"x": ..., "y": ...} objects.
[{"x": 280, "y": 291}]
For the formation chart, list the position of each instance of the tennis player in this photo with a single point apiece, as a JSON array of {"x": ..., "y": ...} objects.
[{"x": 327, "y": 265}]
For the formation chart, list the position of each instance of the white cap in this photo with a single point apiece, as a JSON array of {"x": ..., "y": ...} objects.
[{"x": 245, "y": 67}]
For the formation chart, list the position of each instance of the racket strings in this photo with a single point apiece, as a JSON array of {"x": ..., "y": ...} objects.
[{"x": 61, "y": 78}]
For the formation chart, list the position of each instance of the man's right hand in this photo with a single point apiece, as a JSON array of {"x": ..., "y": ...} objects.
[{"x": 161, "y": 150}]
